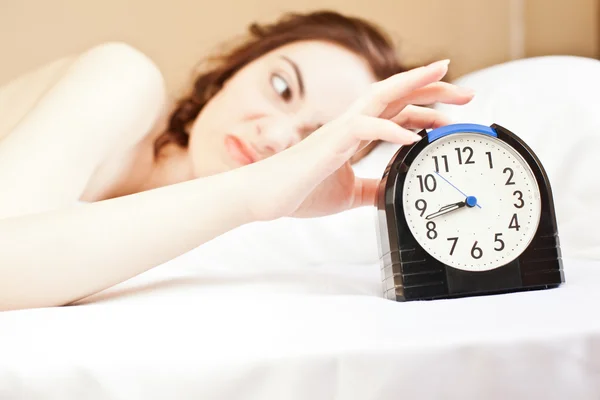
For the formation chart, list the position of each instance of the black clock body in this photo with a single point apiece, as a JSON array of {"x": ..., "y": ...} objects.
[{"x": 409, "y": 273}]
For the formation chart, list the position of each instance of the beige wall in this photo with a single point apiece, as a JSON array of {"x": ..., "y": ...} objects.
[
  {"x": 571, "y": 27},
  {"x": 177, "y": 33}
]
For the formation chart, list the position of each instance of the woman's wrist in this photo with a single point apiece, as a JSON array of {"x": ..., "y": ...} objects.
[{"x": 271, "y": 188}]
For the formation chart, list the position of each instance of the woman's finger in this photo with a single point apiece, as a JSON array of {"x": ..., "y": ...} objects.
[
  {"x": 368, "y": 129},
  {"x": 436, "y": 92},
  {"x": 415, "y": 117},
  {"x": 339, "y": 140},
  {"x": 440, "y": 92},
  {"x": 396, "y": 87},
  {"x": 365, "y": 192}
]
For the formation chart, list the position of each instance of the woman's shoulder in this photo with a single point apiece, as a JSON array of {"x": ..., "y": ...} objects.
[
  {"x": 108, "y": 100},
  {"x": 20, "y": 95},
  {"x": 127, "y": 55}
]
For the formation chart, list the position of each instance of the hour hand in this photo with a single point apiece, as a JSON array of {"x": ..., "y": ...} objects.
[{"x": 446, "y": 209}]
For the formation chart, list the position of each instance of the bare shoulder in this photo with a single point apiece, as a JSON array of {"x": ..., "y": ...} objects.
[
  {"x": 128, "y": 70},
  {"x": 140, "y": 84},
  {"x": 20, "y": 94},
  {"x": 109, "y": 99},
  {"x": 123, "y": 58}
]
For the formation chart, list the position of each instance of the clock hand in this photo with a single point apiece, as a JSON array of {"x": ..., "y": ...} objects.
[
  {"x": 447, "y": 209},
  {"x": 461, "y": 192},
  {"x": 470, "y": 202}
]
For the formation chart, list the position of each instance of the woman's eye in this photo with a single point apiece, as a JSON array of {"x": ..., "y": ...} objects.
[{"x": 281, "y": 87}]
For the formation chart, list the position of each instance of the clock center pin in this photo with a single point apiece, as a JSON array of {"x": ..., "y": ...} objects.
[{"x": 471, "y": 201}]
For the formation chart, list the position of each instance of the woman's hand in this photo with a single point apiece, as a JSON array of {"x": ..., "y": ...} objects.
[{"x": 315, "y": 178}]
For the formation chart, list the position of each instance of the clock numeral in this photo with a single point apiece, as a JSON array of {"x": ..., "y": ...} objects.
[
  {"x": 431, "y": 232},
  {"x": 437, "y": 167},
  {"x": 470, "y": 155},
  {"x": 428, "y": 183},
  {"x": 476, "y": 252},
  {"x": 455, "y": 239},
  {"x": 489, "y": 154},
  {"x": 422, "y": 209},
  {"x": 514, "y": 223},
  {"x": 498, "y": 240},
  {"x": 510, "y": 176},
  {"x": 520, "y": 195}
]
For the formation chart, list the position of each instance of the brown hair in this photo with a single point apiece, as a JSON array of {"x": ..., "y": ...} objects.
[{"x": 353, "y": 33}]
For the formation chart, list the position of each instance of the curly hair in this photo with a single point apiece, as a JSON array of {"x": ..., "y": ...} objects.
[{"x": 352, "y": 33}]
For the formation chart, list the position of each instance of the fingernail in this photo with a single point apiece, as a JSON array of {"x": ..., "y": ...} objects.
[
  {"x": 441, "y": 62},
  {"x": 416, "y": 137},
  {"x": 467, "y": 91}
]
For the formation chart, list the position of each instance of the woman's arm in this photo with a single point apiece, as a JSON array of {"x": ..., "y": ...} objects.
[
  {"x": 110, "y": 97},
  {"x": 57, "y": 257}
]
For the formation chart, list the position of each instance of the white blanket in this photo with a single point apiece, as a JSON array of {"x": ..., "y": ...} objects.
[{"x": 292, "y": 309}]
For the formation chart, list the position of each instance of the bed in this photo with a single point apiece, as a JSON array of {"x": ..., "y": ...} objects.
[{"x": 293, "y": 308}]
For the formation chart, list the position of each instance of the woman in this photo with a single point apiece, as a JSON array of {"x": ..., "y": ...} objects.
[{"x": 267, "y": 131}]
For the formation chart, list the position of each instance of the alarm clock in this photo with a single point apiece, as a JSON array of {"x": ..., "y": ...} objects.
[{"x": 467, "y": 210}]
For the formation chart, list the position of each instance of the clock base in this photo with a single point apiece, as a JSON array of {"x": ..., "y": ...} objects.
[
  {"x": 410, "y": 273},
  {"x": 447, "y": 283}
]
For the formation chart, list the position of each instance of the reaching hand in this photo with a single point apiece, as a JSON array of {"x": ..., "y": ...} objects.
[{"x": 314, "y": 177}]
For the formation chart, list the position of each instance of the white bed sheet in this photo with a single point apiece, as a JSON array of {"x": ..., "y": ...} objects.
[
  {"x": 283, "y": 338},
  {"x": 292, "y": 309}
]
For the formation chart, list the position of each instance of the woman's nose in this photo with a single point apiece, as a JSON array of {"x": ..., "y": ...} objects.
[{"x": 276, "y": 136}]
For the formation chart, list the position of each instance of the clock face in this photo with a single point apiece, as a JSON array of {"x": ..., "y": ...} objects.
[{"x": 471, "y": 201}]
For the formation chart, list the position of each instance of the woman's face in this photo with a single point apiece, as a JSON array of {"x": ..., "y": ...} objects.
[{"x": 274, "y": 102}]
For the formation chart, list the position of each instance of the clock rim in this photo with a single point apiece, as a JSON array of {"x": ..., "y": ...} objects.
[
  {"x": 460, "y": 129},
  {"x": 391, "y": 262}
]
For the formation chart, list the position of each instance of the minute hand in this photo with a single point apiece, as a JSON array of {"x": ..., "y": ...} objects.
[
  {"x": 446, "y": 209},
  {"x": 461, "y": 192}
]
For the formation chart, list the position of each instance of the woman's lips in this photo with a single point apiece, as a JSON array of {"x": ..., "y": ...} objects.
[{"x": 239, "y": 150}]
